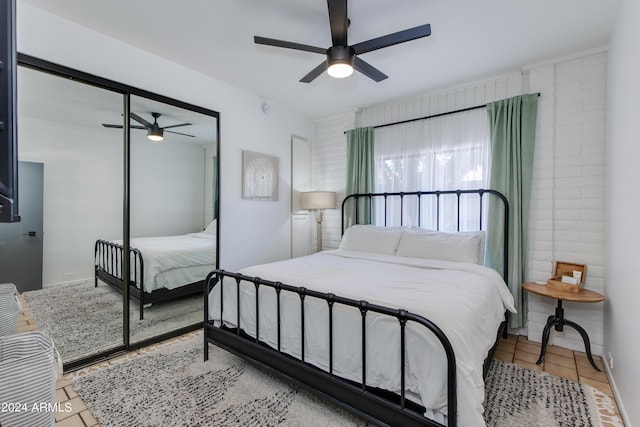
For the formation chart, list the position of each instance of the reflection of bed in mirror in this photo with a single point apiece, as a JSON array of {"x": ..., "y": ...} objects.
[{"x": 161, "y": 268}]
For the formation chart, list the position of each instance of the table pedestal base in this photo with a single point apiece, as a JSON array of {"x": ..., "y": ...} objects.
[{"x": 558, "y": 321}]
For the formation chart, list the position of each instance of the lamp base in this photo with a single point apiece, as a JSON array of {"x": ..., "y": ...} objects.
[{"x": 318, "y": 214}]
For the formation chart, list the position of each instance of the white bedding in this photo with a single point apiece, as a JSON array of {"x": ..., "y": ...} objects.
[
  {"x": 174, "y": 261},
  {"x": 466, "y": 301}
]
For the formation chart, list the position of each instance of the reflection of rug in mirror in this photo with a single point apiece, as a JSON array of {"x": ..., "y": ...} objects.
[
  {"x": 170, "y": 384},
  {"x": 82, "y": 319}
]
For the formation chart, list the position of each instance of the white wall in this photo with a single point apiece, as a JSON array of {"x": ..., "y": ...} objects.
[
  {"x": 167, "y": 188},
  {"x": 622, "y": 316},
  {"x": 567, "y": 199},
  {"x": 251, "y": 232}
]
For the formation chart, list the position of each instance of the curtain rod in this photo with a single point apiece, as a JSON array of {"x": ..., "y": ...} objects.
[{"x": 432, "y": 116}]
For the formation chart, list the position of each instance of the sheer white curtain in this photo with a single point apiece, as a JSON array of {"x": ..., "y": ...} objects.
[{"x": 442, "y": 153}]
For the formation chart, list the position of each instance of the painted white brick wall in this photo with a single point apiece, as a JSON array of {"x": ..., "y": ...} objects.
[{"x": 567, "y": 206}]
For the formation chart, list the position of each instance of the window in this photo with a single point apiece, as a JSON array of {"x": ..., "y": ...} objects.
[{"x": 443, "y": 153}]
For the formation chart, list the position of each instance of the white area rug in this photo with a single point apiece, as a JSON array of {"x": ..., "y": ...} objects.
[
  {"x": 517, "y": 396},
  {"x": 82, "y": 319},
  {"x": 170, "y": 384}
]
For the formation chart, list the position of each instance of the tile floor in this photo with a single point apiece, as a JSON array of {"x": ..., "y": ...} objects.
[
  {"x": 559, "y": 361},
  {"x": 75, "y": 413}
]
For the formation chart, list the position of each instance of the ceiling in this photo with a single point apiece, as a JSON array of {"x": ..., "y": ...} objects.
[
  {"x": 67, "y": 102},
  {"x": 470, "y": 40}
]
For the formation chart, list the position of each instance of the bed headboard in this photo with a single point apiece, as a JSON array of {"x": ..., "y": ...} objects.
[{"x": 428, "y": 209}]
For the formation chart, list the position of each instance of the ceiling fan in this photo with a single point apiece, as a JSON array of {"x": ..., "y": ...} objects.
[
  {"x": 154, "y": 131},
  {"x": 342, "y": 58}
]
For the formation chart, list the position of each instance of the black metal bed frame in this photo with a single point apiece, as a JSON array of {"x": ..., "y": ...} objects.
[
  {"x": 108, "y": 268},
  {"x": 357, "y": 397},
  {"x": 438, "y": 195}
]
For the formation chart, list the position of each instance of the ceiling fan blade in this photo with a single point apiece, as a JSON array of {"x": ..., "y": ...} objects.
[
  {"x": 391, "y": 39},
  {"x": 368, "y": 70},
  {"x": 120, "y": 126},
  {"x": 140, "y": 120},
  {"x": 175, "y": 126},
  {"x": 339, "y": 21},
  {"x": 178, "y": 133},
  {"x": 288, "y": 45},
  {"x": 314, "y": 73}
]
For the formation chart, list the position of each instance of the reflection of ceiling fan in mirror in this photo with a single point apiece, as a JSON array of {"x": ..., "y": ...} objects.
[{"x": 154, "y": 131}]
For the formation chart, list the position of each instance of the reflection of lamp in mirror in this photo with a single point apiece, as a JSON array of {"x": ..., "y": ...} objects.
[{"x": 317, "y": 201}]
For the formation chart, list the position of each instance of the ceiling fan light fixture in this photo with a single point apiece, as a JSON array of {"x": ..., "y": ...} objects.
[
  {"x": 155, "y": 135},
  {"x": 340, "y": 70},
  {"x": 340, "y": 60}
]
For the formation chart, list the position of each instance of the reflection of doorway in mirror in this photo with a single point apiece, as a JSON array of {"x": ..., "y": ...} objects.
[{"x": 260, "y": 176}]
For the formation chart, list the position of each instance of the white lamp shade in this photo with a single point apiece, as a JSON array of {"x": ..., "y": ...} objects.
[{"x": 318, "y": 200}]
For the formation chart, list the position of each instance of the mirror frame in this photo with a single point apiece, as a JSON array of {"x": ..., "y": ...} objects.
[{"x": 127, "y": 91}]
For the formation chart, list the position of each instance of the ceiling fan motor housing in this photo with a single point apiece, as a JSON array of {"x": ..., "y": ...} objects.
[
  {"x": 341, "y": 55},
  {"x": 340, "y": 60}
]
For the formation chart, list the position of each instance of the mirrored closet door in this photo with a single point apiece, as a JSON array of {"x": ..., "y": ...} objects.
[
  {"x": 112, "y": 170},
  {"x": 74, "y": 167},
  {"x": 173, "y": 181}
]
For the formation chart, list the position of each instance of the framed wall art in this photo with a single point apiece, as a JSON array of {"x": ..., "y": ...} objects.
[{"x": 260, "y": 176}]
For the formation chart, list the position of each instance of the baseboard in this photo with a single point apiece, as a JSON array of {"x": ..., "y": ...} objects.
[
  {"x": 518, "y": 331},
  {"x": 614, "y": 388}
]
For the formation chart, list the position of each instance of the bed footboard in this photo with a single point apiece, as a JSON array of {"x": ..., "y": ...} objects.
[
  {"x": 108, "y": 268},
  {"x": 357, "y": 397}
]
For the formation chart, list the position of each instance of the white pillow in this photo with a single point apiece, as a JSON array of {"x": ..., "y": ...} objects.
[
  {"x": 211, "y": 228},
  {"x": 372, "y": 238},
  {"x": 481, "y": 234},
  {"x": 459, "y": 247}
]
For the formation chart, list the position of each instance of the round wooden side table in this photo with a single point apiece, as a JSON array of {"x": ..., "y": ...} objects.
[{"x": 557, "y": 320}]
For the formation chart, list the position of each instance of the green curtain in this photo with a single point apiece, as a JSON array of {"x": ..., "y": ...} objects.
[
  {"x": 513, "y": 127},
  {"x": 360, "y": 172}
]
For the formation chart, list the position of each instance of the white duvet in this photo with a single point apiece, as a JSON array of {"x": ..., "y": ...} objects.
[
  {"x": 466, "y": 301},
  {"x": 174, "y": 261}
]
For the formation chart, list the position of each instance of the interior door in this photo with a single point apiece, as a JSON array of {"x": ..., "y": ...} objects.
[
  {"x": 21, "y": 242},
  {"x": 300, "y": 181}
]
